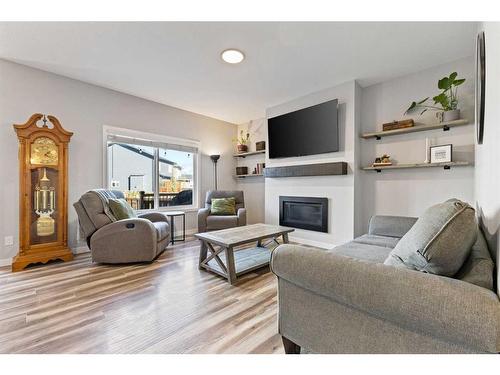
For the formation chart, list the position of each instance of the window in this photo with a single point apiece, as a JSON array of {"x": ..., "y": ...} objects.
[{"x": 153, "y": 172}]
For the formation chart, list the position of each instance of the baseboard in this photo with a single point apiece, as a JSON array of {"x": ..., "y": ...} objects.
[
  {"x": 305, "y": 241},
  {"x": 189, "y": 232},
  {"x": 5, "y": 262},
  {"x": 80, "y": 250}
]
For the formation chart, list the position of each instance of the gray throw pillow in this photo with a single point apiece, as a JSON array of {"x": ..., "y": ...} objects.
[{"x": 439, "y": 242}]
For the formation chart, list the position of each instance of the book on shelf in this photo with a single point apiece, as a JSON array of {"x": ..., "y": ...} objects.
[{"x": 259, "y": 169}]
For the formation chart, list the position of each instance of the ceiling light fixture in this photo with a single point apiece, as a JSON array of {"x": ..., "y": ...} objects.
[{"x": 232, "y": 56}]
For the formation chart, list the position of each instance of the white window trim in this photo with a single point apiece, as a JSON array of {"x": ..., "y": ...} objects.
[{"x": 124, "y": 132}]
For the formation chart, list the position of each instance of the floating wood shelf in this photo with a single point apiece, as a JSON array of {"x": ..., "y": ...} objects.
[
  {"x": 419, "y": 165},
  {"x": 417, "y": 128},
  {"x": 323, "y": 169},
  {"x": 249, "y": 175},
  {"x": 245, "y": 154}
]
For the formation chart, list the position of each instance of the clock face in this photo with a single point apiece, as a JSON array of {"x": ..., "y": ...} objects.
[{"x": 44, "y": 151}]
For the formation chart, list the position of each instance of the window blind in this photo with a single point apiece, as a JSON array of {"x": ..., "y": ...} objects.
[{"x": 145, "y": 142}]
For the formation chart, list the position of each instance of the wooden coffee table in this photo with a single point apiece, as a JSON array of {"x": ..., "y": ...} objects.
[{"x": 224, "y": 261}]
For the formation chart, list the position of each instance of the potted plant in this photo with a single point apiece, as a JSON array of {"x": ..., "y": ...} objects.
[
  {"x": 242, "y": 142},
  {"x": 446, "y": 101}
]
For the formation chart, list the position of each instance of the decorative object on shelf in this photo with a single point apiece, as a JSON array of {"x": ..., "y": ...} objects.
[
  {"x": 260, "y": 146},
  {"x": 447, "y": 99},
  {"x": 480, "y": 85},
  {"x": 43, "y": 186},
  {"x": 241, "y": 171},
  {"x": 441, "y": 153},
  {"x": 398, "y": 125},
  {"x": 259, "y": 169},
  {"x": 215, "y": 159},
  {"x": 242, "y": 141},
  {"x": 382, "y": 161},
  {"x": 427, "y": 145}
]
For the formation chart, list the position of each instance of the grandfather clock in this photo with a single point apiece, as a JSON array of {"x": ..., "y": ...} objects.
[{"x": 43, "y": 186}]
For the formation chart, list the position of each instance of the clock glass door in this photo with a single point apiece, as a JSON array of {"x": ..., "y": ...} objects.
[{"x": 43, "y": 228}]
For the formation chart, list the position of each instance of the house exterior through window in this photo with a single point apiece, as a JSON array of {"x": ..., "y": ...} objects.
[{"x": 153, "y": 172}]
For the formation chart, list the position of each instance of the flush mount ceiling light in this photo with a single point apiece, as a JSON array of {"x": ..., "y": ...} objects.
[{"x": 232, "y": 56}]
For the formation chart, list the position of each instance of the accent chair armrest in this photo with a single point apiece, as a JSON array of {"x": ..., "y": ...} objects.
[
  {"x": 242, "y": 217},
  {"x": 441, "y": 307},
  {"x": 154, "y": 217},
  {"x": 202, "y": 219},
  {"x": 390, "y": 226}
]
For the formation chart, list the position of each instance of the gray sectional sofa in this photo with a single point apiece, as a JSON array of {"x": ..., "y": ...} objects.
[{"x": 348, "y": 301}]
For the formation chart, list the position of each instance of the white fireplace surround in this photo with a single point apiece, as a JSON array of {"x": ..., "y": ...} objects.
[{"x": 339, "y": 190}]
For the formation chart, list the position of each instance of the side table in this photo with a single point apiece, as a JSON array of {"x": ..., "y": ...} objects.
[{"x": 172, "y": 215}]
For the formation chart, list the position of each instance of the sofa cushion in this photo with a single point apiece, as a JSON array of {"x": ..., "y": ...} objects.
[
  {"x": 390, "y": 226},
  {"x": 161, "y": 230},
  {"x": 440, "y": 241},
  {"x": 364, "y": 251},
  {"x": 223, "y": 206},
  {"x": 479, "y": 267},
  {"x": 121, "y": 209},
  {"x": 371, "y": 239},
  {"x": 221, "y": 222}
]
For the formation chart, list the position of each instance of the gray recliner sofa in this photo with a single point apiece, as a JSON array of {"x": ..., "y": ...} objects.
[
  {"x": 207, "y": 222},
  {"x": 347, "y": 301},
  {"x": 139, "y": 239}
]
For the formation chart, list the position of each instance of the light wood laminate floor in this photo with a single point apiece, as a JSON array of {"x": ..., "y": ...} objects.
[{"x": 168, "y": 306}]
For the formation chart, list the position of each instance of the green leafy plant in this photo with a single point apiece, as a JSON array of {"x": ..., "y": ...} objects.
[
  {"x": 447, "y": 99},
  {"x": 243, "y": 138}
]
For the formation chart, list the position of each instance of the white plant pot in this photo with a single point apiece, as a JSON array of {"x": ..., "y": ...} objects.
[{"x": 451, "y": 115}]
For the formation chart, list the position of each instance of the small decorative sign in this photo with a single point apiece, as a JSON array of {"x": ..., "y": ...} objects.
[{"x": 441, "y": 153}]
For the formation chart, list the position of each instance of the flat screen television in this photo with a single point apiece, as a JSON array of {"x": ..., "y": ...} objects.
[{"x": 308, "y": 131}]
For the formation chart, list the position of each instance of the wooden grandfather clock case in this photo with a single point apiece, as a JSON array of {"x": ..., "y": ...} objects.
[{"x": 43, "y": 186}]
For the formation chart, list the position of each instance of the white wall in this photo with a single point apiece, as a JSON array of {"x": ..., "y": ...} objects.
[
  {"x": 410, "y": 192},
  {"x": 253, "y": 187},
  {"x": 83, "y": 109},
  {"x": 487, "y": 179},
  {"x": 338, "y": 189}
]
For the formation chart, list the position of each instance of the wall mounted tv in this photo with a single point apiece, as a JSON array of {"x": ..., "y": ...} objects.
[{"x": 308, "y": 131}]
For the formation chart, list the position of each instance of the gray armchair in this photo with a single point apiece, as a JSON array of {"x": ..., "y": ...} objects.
[
  {"x": 140, "y": 239},
  {"x": 207, "y": 222}
]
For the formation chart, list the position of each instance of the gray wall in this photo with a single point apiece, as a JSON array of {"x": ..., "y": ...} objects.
[
  {"x": 253, "y": 187},
  {"x": 399, "y": 192},
  {"x": 488, "y": 154},
  {"x": 83, "y": 109},
  {"x": 409, "y": 192}
]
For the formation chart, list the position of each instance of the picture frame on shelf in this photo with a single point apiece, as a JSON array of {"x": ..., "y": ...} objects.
[{"x": 441, "y": 153}]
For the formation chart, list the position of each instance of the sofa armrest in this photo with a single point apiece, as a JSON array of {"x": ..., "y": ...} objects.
[
  {"x": 154, "y": 217},
  {"x": 128, "y": 240},
  {"x": 445, "y": 308},
  {"x": 390, "y": 226},
  {"x": 202, "y": 219},
  {"x": 242, "y": 217}
]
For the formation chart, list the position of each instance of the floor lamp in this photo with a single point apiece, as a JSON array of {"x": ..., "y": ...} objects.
[{"x": 215, "y": 158}]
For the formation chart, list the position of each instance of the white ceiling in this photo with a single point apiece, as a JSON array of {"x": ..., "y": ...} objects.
[{"x": 178, "y": 63}]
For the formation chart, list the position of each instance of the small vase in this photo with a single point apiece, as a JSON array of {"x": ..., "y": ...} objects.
[
  {"x": 242, "y": 148},
  {"x": 451, "y": 115}
]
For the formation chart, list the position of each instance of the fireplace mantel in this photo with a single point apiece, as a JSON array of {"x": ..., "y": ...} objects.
[{"x": 304, "y": 170}]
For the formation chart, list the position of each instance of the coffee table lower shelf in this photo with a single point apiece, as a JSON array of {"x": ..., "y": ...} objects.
[{"x": 245, "y": 260}]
